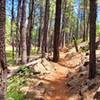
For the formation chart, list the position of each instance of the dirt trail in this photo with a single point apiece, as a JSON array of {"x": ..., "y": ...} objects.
[{"x": 57, "y": 82}]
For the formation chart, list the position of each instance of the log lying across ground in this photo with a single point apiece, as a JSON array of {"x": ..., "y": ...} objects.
[
  {"x": 33, "y": 62},
  {"x": 13, "y": 72}
]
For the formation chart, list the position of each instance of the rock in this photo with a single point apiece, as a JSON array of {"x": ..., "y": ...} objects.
[
  {"x": 92, "y": 86},
  {"x": 50, "y": 93},
  {"x": 98, "y": 71},
  {"x": 97, "y": 95},
  {"x": 83, "y": 73},
  {"x": 88, "y": 85},
  {"x": 88, "y": 82},
  {"x": 74, "y": 97},
  {"x": 68, "y": 74},
  {"x": 86, "y": 63},
  {"x": 84, "y": 47},
  {"x": 40, "y": 87},
  {"x": 73, "y": 83},
  {"x": 86, "y": 59},
  {"x": 78, "y": 69},
  {"x": 39, "y": 92},
  {"x": 39, "y": 98},
  {"x": 87, "y": 53},
  {"x": 83, "y": 68},
  {"x": 52, "y": 88},
  {"x": 39, "y": 84},
  {"x": 84, "y": 89},
  {"x": 48, "y": 66},
  {"x": 98, "y": 59},
  {"x": 39, "y": 68}
]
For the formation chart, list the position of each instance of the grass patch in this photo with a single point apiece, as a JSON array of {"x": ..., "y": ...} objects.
[
  {"x": 17, "y": 82},
  {"x": 10, "y": 60},
  {"x": 13, "y": 89},
  {"x": 34, "y": 50}
]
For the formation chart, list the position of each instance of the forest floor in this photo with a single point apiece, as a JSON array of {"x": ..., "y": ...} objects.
[{"x": 65, "y": 80}]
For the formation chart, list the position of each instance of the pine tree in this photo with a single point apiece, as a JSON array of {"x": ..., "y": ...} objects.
[
  {"x": 2, "y": 50},
  {"x": 93, "y": 15},
  {"x": 57, "y": 31}
]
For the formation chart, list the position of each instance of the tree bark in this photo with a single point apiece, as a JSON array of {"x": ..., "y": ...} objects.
[
  {"x": 57, "y": 31},
  {"x": 78, "y": 23},
  {"x": 2, "y": 51},
  {"x": 18, "y": 32},
  {"x": 23, "y": 34},
  {"x": 45, "y": 29},
  {"x": 30, "y": 28},
  {"x": 40, "y": 35},
  {"x": 64, "y": 24},
  {"x": 12, "y": 29},
  {"x": 84, "y": 34},
  {"x": 92, "y": 58}
]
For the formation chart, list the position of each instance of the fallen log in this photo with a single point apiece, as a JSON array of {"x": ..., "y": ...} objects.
[
  {"x": 12, "y": 73},
  {"x": 33, "y": 62}
]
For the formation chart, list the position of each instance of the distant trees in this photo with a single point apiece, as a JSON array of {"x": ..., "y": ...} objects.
[
  {"x": 57, "y": 31},
  {"x": 93, "y": 15},
  {"x": 41, "y": 20},
  {"x": 24, "y": 31},
  {"x": 45, "y": 28},
  {"x": 40, "y": 24},
  {"x": 2, "y": 51},
  {"x": 23, "y": 46},
  {"x": 64, "y": 24},
  {"x": 84, "y": 33},
  {"x": 18, "y": 32},
  {"x": 43, "y": 23},
  {"x": 12, "y": 29},
  {"x": 30, "y": 28}
]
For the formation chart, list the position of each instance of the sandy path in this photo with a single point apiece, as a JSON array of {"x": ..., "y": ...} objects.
[{"x": 56, "y": 81}]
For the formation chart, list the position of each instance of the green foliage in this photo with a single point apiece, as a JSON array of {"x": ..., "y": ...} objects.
[
  {"x": 8, "y": 30},
  {"x": 98, "y": 29},
  {"x": 13, "y": 90},
  {"x": 24, "y": 70},
  {"x": 7, "y": 35},
  {"x": 70, "y": 17},
  {"x": 16, "y": 83},
  {"x": 34, "y": 37},
  {"x": 52, "y": 9},
  {"x": 9, "y": 55},
  {"x": 15, "y": 96}
]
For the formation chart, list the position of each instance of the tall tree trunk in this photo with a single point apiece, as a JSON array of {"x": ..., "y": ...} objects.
[
  {"x": 92, "y": 58},
  {"x": 30, "y": 28},
  {"x": 57, "y": 31},
  {"x": 84, "y": 34},
  {"x": 87, "y": 28},
  {"x": 12, "y": 29},
  {"x": 64, "y": 24},
  {"x": 23, "y": 34},
  {"x": 87, "y": 18},
  {"x": 40, "y": 35},
  {"x": 78, "y": 23},
  {"x": 50, "y": 35},
  {"x": 18, "y": 32},
  {"x": 2, "y": 51},
  {"x": 45, "y": 29}
]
